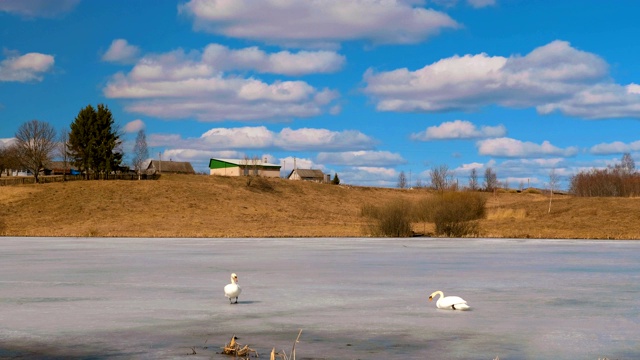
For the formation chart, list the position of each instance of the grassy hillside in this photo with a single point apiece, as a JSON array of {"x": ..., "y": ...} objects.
[{"x": 206, "y": 206}]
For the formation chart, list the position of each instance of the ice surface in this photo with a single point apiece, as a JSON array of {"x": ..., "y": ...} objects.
[{"x": 353, "y": 298}]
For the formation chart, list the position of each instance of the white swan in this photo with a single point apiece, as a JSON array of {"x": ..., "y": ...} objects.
[
  {"x": 232, "y": 290},
  {"x": 449, "y": 302}
]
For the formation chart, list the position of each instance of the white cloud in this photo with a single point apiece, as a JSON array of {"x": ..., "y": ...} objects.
[
  {"x": 121, "y": 52},
  {"x": 187, "y": 85},
  {"x": 134, "y": 126},
  {"x": 361, "y": 158},
  {"x": 616, "y": 147},
  {"x": 459, "y": 129},
  {"x": 600, "y": 101},
  {"x": 242, "y": 137},
  {"x": 507, "y": 147},
  {"x": 369, "y": 176},
  {"x": 259, "y": 137},
  {"x": 222, "y": 58},
  {"x": 289, "y": 162},
  {"x": 38, "y": 8},
  {"x": 323, "y": 139},
  {"x": 24, "y": 68},
  {"x": 554, "y": 77},
  {"x": 318, "y": 23}
]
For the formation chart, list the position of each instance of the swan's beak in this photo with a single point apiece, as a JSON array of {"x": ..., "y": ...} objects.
[{"x": 430, "y": 298}]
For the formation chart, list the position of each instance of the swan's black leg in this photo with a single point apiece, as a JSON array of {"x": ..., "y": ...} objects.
[
  {"x": 236, "y": 300},
  {"x": 453, "y": 307}
]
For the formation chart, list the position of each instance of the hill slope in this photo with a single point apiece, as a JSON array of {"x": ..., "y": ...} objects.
[{"x": 205, "y": 206}]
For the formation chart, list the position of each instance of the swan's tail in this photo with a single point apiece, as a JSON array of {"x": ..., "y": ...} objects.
[{"x": 461, "y": 307}]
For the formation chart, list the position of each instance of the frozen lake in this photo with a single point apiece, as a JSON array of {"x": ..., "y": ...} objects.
[{"x": 354, "y": 298}]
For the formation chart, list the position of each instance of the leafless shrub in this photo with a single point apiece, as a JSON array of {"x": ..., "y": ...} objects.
[
  {"x": 389, "y": 220},
  {"x": 259, "y": 183},
  {"x": 454, "y": 213},
  {"x": 605, "y": 182}
]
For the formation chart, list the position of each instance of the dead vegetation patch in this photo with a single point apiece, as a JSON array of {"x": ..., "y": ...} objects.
[{"x": 214, "y": 206}]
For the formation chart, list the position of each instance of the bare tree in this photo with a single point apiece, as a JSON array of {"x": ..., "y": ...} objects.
[
  {"x": 140, "y": 152},
  {"x": 402, "y": 180},
  {"x": 490, "y": 179},
  {"x": 440, "y": 177},
  {"x": 36, "y": 141},
  {"x": 245, "y": 165},
  {"x": 4, "y": 159},
  {"x": 627, "y": 164},
  {"x": 553, "y": 183},
  {"x": 473, "y": 180},
  {"x": 255, "y": 165},
  {"x": 63, "y": 152}
]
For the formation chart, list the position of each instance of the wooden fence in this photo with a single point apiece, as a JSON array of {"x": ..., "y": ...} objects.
[{"x": 22, "y": 180}]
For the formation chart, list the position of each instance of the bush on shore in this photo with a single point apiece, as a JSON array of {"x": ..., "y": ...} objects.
[{"x": 392, "y": 219}]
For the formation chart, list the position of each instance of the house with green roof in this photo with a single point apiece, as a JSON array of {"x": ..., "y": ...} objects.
[{"x": 243, "y": 167}]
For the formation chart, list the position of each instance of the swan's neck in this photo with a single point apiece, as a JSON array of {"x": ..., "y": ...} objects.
[{"x": 439, "y": 293}]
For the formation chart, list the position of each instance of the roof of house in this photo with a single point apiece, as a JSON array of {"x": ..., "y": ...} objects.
[
  {"x": 245, "y": 162},
  {"x": 172, "y": 166},
  {"x": 308, "y": 174},
  {"x": 59, "y": 165}
]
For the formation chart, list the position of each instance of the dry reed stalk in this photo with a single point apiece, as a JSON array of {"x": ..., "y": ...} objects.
[{"x": 235, "y": 349}]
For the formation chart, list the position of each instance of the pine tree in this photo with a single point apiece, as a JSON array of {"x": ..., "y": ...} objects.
[
  {"x": 93, "y": 141},
  {"x": 336, "y": 180}
]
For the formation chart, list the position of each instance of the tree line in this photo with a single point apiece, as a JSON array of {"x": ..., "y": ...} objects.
[
  {"x": 619, "y": 179},
  {"x": 442, "y": 179},
  {"x": 93, "y": 144}
]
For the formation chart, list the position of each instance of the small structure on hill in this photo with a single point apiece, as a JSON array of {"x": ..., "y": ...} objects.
[
  {"x": 169, "y": 167},
  {"x": 60, "y": 168},
  {"x": 243, "y": 167},
  {"x": 309, "y": 175}
]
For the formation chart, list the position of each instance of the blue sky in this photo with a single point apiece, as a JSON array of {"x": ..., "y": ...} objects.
[{"x": 364, "y": 88}]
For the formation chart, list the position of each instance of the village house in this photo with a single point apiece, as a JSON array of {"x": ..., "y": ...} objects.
[
  {"x": 169, "y": 167},
  {"x": 309, "y": 175},
  {"x": 243, "y": 167}
]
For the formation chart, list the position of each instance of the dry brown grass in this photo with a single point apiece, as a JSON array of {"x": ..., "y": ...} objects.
[{"x": 206, "y": 206}]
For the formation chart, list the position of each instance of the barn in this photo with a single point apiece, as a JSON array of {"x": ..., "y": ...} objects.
[{"x": 243, "y": 167}]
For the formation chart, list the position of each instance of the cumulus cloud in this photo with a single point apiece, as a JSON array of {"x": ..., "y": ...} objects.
[
  {"x": 120, "y": 51},
  {"x": 616, "y": 147},
  {"x": 181, "y": 85},
  {"x": 134, "y": 126},
  {"x": 361, "y": 158},
  {"x": 222, "y": 58},
  {"x": 241, "y": 137},
  {"x": 507, "y": 147},
  {"x": 553, "y": 77},
  {"x": 318, "y": 23},
  {"x": 459, "y": 129},
  {"x": 24, "y": 68},
  {"x": 289, "y": 162},
  {"x": 323, "y": 139},
  {"x": 259, "y": 137},
  {"x": 38, "y": 8},
  {"x": 369, "y": 175}
]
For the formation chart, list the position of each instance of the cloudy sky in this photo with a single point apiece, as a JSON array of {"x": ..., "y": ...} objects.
[{"x": 364, "y": 88}]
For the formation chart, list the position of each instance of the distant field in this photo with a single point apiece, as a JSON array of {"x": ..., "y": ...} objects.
[{"x": 206, "y": 206}]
